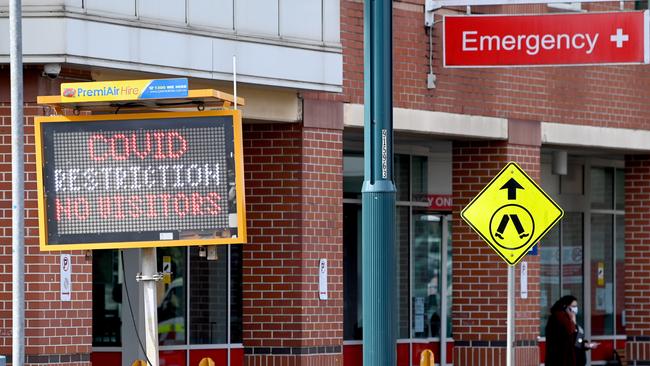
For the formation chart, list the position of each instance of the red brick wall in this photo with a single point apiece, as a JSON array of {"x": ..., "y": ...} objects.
[
  {"x": 56, "y": 332},
  {"x": 637, "y": 257},
  {"x": 294, "y": 205},
  {"x": 480, "y": 275},
  {"x": 577, "y": 95}
]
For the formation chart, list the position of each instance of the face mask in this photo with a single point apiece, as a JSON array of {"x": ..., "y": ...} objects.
[{"x": 574, "y": 309}]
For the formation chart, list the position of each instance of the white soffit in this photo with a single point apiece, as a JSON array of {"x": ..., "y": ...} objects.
[
  {"x": 591, "y": 136},
  {"x": 435, "y": 123},
  {"x": 121, "y": 46}
]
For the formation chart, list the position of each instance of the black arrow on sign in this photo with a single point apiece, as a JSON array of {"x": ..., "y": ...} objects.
[{"x": 512, "y": 187}]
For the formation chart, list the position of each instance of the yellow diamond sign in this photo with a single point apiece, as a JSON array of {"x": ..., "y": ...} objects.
[{"x": 512, "y": 213}]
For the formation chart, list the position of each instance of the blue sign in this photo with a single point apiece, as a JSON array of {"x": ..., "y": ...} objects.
[{"x": 165, "y": 88}]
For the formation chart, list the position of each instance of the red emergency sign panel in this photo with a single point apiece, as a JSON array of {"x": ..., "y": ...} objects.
[{"x": 551, "y": 39}]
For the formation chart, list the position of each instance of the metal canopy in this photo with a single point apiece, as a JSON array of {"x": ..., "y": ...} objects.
[
  {"x": 432, "y": 5},
  {"x": 436, "y": 4}
]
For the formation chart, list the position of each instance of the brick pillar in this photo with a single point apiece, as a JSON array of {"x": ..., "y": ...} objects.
[
  {"x": 56, "y": 332},
  {"x": 637, "y": 252},
  {"x": 479, "y": 274},
  {"x": 294, "y": 207}
]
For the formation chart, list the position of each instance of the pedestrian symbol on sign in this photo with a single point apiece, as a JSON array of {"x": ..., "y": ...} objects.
[{"x": 512, "y": 213}]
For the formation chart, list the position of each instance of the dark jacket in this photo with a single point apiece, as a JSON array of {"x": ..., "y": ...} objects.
[
  {"x": 581, "y": 347},
  {"x": 560, "y": 340}
]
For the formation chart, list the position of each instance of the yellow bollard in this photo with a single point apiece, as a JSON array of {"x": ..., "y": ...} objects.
[
  {"x": 426, "y": 358},
  {"x": 139, "y": 363},
  {"x": 207, "y": 361}
]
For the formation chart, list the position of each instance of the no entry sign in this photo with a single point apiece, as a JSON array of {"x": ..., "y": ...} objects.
[
  {"x": 551, "y": 39},
  {"x": 140, "y": 180}
]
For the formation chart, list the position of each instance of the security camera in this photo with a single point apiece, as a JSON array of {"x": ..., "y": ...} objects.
[{"x": 52, "y": 71}]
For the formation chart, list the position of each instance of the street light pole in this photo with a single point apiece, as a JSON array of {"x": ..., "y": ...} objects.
[{"x": 378, "y": 191}]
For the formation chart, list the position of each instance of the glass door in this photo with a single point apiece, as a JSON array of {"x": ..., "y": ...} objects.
[{"x": 430, "y": 288}]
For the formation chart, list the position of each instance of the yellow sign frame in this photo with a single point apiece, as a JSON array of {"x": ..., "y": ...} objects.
[
  {"x": 520, "y": 212},
  {"x": 239, "y": 182}
]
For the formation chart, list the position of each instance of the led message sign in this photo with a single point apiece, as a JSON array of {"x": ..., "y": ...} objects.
[{"x": 140, "y": 180}]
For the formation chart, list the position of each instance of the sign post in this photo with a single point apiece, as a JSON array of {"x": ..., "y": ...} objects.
[
  {"x": 17, "y": 184},
  {"x": 512, "y": 213},
  {"x": 148, "y": 279}
]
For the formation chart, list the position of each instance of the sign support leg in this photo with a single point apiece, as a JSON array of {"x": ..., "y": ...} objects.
[
  {"x": 17, "y": 185},
  {"x": 510, "y": 322},
  {"x": 148, "y": 278}
]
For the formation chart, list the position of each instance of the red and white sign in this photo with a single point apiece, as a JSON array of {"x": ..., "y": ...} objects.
[
  {"x": 440, "y": 202},
  {"x": 551, "y": 39}
]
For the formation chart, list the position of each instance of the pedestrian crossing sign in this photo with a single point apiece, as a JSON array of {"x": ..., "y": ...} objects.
[{"x": 512, "y": 213}]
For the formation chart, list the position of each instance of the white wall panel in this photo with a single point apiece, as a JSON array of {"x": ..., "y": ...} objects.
[
  {"x": 211, "y": 13},
  {"x": 175, "y": 50},
  {"x": 73, "y": 3},
  {"x": 147, "y": 46},
  {"x": 123, "y": 7},
  {"x": 164, "y": 51},
  {"x": 35, "y": 2},
  {"x": 258, "y": 17},
  {"x": 99, "y": 40},
  {"x": 4, "y": 34},
  {"x": 331, "y": 21},
  {"x": 29, "y": 3},
  {"x": 301, "y": 19},
  {"x": 162, "y": 10},
  {"x": 277, "y": 62},
  {"x": 43, "y": 36}
]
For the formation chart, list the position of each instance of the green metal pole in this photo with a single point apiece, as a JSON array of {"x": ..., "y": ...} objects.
[{"x": 378, "y": 191}]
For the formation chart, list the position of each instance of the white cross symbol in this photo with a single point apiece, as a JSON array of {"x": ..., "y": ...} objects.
[{"x": 619, "y": 38}]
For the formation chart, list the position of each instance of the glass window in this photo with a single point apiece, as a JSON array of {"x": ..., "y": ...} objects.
[
  {"x": 352, "y": 272},
  {"x": 236, "y": 293},
  {"x": 563, "y": 250},
  {"x": 602, "y": 188},
  {"x": 402, "y": 252},
  {"x": 427, "y": 242},
  {"x": 449, "y": 277},
  {"x": 402, "y": 177},
  {"x": 602, "y": 275},
  {"x": 620, "y": 189},
  {"x": 172, "y": 294},
  {"x": 549, "y": 251},
  {"x": 573, "y": 182},
  {"x": 572, "y": 259},
  {"x": 352, "y": 175},
  {"x": 561, "y": 265},
  {"x": 107, "y": 298},
  {"x": 209, "y": 297},
  {"x": 620, "y": 274},
  {"x": 411, "y": 172},
  {"x": 419, "y": 175}
]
